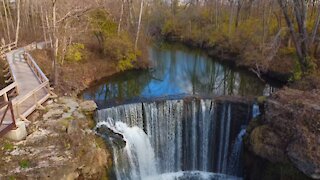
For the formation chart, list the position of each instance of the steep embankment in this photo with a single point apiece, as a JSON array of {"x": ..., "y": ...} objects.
[
  {"x": 74, "y": 77},
  {"x": 290, "y": 130}
]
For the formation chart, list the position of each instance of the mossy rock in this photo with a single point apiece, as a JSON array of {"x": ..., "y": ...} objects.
[{"x": 261, "y": 99}]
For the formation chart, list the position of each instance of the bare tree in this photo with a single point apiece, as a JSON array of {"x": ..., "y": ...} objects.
[
  {"x": 300, "y": 37},
  {"x": 121, "y": 16},
  {"x": 7, "y": 20},
  {"x": 139, "y": 25},
  {"x": 18, "y": 20}
]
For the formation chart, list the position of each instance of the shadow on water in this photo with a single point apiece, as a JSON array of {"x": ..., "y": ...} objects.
[{"x": 178, "y": 70}]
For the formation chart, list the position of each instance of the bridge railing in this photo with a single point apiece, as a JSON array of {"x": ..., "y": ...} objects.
[
  {"x": 5, "y": 92},
  {"x": 7, "y": 121},
  {"x": 8, "y": 47},
  {"x": 25, "y": 105},
  {"x": 10, "y": 77},
  {"x": 35, "y": 68}
]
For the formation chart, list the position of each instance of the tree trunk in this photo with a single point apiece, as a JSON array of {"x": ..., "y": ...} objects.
[
  {"x": 121, "y": 16},
  {"x": 230, "y": 18},
  {"x": 316, "y": 26},
  {"x": 48, "y": 27},
  {"x": 43, "y": 24},
  {"x": 238, "y": 13},
  {"x": 3, "y": 25},
  {"x": 56, "y": 44},
  {"x": 139, "y": 25},
  {"x": 10, "y": 15},
  {"x": 7, "y": 20},
  {"x": 18, "y": 20},
  {"x": 299, "y": 39}
]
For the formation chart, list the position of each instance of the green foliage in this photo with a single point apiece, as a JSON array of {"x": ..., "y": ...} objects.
[
  {"x": 122, "y": 50},
  {"x": 312, "y": 65},
  {"x": 171, "y": 26},
  {"x": 8, "y": 146},
  {"x": 297, "y": 72},
  {"x": 75, "y": 52},
  {"x": 168, "y": 26},
  {"x": 261, "y": 99},
  {"x": 288, "y": 51},
  {"x": 126, "y": 62},
  {"x": 118, "y": 47},
  {"x": 24, "y": 164},
  {"x": 102, "y": 24}
]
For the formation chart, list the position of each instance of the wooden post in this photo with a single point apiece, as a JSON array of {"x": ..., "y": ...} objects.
[
  {"x": 17, "y": 89},
  {"x": 5, "y": 97},
  {"x": 17, "y": 107},
  {"x": 12, "y": 114}
]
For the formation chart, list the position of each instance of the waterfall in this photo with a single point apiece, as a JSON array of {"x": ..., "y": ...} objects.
[
  {"x": 234, "y": 160},
  {"x": 177, "y": 138},
  {"x": 138, "y": 152},
  {"x": 255, "y": 110}
]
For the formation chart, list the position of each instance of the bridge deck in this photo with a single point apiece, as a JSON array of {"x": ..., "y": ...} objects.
[
  {"x": 30, "y": 89},
  {"x": 26, "y": 79}
]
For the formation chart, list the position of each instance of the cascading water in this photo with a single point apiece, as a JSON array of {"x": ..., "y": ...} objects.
[
  {"x": 138, "y": 151},
  {"x": 235, "y": 166},
  {"x": 178, "y": 139},
  {"x": 255, "y": 110}
]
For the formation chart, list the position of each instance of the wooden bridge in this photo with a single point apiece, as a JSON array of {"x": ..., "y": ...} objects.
[{"x": 27, "y": 86}]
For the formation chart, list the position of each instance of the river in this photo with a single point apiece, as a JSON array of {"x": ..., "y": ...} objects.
[{"x": 167, "y": 136}]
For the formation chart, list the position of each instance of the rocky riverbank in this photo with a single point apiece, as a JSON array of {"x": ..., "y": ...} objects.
[
  {"x": 60, "y": 145},
  {"x": 289, "y": 131}
]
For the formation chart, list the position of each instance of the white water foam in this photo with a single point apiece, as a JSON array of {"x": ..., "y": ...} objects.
[
  {"x": 194, "y": 175},
  {"x": 161, "y": 138},
  {"x": 138, "y": 150}
]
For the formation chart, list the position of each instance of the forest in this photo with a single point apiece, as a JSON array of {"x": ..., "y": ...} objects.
[
  {"x": 233, "y": 85},
  {"x": 268, "y": 36}
]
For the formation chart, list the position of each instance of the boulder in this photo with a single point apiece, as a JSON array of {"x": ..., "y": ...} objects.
[
  {"x": 88, "y": 106},
  {"x": 290, "y": 130},
  {"x": 267, "y": 144}
]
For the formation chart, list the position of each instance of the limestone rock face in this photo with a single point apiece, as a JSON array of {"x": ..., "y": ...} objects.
[
  {"x": 291, "y": 130},
  {"x": 60, "y": 145},
  {"x": 267, "y": 144}
]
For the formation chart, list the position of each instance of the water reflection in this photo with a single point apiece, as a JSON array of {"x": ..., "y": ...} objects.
[{"x": 178, "y": 70}]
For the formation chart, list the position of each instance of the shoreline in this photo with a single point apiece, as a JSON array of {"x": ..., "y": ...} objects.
[{"x": 224, "y": 55}]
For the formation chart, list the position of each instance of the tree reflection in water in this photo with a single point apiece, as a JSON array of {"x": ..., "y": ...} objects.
[{"x": 178, "y": 70}]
